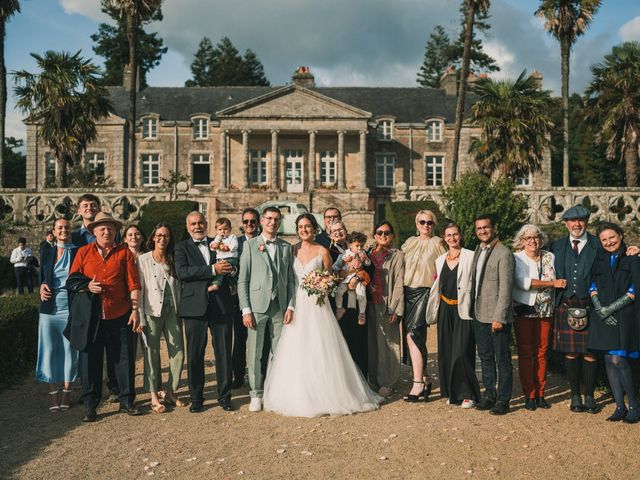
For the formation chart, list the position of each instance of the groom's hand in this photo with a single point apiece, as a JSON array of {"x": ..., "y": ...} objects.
[
  {"x": 288, "y": 317},
  {"x": 249, "y": 321}
]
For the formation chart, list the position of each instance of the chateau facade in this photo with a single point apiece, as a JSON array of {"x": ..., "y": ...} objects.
[{"x": 356, "y": 148}]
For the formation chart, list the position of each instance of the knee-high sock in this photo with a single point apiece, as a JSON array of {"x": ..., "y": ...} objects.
[
  {"x": 589, "y": 375},
  {"x": 573, "y": 374}
]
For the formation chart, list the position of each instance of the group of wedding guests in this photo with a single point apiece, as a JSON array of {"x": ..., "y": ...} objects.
[{"x": 100, "y": 294}]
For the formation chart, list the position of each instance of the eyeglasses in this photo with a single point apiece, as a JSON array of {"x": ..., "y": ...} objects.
[
  {"x": 483, "y": 227},
  {"x": 249, "y": 222},
  {"x": 430, "y": 223},
  {"x": 384, "y": 233},
  {"x": 161, "y": 235},
  {"x": 339, "y": 230},
  {"x": 332, "y": 216},
  {"x": 531, "y": 239}
]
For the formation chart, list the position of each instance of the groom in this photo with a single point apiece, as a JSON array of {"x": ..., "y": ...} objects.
[{"x": 266, "y": 292}]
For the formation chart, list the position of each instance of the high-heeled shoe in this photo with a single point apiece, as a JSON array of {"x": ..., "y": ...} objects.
[{"x": 416, "y": 398}]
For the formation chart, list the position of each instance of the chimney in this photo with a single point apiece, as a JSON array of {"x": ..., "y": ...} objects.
[
  {"x": 126, "y": 76},
  {"x": 304, "y": 77},
  {"x": 537, "y": 76},
  {"x": 448, "y": 81}
]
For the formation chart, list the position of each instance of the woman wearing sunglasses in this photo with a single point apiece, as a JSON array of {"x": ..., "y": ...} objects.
[
  {"x": 420, "y": 253},
  {"x": 385, "y": 310}
]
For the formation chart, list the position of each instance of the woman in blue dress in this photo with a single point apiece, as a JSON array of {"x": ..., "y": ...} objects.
[{"x": 57, "y": 361}]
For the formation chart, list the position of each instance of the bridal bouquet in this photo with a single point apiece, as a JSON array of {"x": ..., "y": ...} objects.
[{"x": 320, "y": 283}]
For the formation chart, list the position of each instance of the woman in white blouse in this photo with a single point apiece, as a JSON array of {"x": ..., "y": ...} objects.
[
  {"x": 535, "y": 281},
  {"x": 160, "y": 296}
]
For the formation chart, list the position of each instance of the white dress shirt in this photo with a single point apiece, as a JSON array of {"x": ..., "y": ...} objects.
[{"x": 582, "y": 240}]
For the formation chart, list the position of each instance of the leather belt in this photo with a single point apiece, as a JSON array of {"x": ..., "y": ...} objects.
[{"x": 448, "y": 301}]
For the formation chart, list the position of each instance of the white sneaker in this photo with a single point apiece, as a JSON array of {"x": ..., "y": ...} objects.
[
  {"x": 255, "y": 405},
  {"x": 468, "y": 403}
]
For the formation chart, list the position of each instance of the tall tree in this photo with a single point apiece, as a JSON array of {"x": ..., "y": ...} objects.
[
  {"x": 111, "y": 43},
  {"x": 515, "y": 125},
  {"x": 436, "y": 58},
  {"x": 8, "y": 8},
  {"x": 471, "y": 8},
  {"x": 566, "y": 20},
  {"x": 202, "y": 65},
  {"x": 253, "y": 70},
  {"x": 134, "y": 11},
  {"x": 65, "y": 99},
  {"x": 480, "y": 61},
  {"x": 16, "y": 163},
  {"x": 613, "y": 103}
]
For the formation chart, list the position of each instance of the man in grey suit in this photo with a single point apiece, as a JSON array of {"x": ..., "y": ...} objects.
[
  {"x": 266, "y": 293},
  {"x": 493, "y": 271}
]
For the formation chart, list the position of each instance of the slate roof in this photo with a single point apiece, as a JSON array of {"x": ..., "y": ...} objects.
[{"x": 407, "y": 105}]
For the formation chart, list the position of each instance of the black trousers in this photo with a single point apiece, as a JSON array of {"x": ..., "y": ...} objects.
[
  {"x": 493, "y": 350},
  {"x": 119, "y": 335},
  {"x": 24, "y": 278},
  {"x": 221, "y": 327}
]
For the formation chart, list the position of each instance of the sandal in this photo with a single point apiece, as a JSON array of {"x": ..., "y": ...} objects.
[
  {"x": 158, "y": 408},
  {"x": 56, "y": 407},
  {"x": 66, "y": 394}
]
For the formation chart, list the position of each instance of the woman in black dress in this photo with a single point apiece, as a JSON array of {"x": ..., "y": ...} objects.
[
  {"x": 449, "y": 307},
  {"x": 614, "y": 323}
]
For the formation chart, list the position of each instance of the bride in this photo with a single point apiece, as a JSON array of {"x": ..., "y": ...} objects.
[{"x": 312, "y": 372}]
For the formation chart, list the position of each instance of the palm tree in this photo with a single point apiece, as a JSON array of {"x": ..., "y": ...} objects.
[
  {"x": 134, "y": 11},
  {"x": 613, "y": 105},
  {"x": 472, "y": 8},
  {"x": 566, "y": 20},
  {"x": 8, "y": 8},
  {"x": 65, "y": 99},
  {"x": 515, "y": 123}
]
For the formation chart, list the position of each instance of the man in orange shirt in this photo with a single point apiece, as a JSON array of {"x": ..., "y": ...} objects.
[{"x": 115, "y": 278}]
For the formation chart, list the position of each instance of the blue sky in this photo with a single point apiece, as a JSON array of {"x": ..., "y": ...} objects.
[{"x": 354, "y": 42}]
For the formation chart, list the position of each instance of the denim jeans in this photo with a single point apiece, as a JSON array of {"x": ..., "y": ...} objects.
[{"x": 493, "y": 348}]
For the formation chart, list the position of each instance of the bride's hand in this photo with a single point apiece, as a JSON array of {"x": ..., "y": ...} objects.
[{"x": 288, "y": 317}]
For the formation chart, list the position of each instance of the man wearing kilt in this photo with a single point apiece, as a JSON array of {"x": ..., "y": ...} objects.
[{"x": 574, "y": 257}]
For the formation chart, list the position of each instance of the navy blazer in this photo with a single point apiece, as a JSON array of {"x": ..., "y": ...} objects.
[
  {"x": 47, "y": 264},
  {"x": 559, "y": 247}
]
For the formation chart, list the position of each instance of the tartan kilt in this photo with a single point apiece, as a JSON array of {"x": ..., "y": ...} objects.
[{"x": 565, "y": 339}]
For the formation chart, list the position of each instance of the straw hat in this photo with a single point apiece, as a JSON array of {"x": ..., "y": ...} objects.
[{"x": 103, "y": 218}]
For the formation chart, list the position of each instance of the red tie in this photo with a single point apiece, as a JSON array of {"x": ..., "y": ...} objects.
[{"x": 575, "y": 246}]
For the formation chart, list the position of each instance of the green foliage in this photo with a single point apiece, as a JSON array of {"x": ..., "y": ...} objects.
[
  {"x": 175, "y": 177},
  {"x": 474, "y": 195},
  {"x": 224, "y": 66},
  {"x": 436, "y": 58},
  {"x": 112, "y": 44},
  {"x": 480, "y": 61},
  {"x": 515, "y": 125},
  {"x": 7, "y": 276},
  {"x": 173, "y": 213},
  {"x": 15, "y": 164},
  {"x": 402, "y": 216},
  {"x": 18, "y": 336}
]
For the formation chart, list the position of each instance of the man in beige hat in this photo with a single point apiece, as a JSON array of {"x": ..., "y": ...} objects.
[{"x": 114, "y": 275}]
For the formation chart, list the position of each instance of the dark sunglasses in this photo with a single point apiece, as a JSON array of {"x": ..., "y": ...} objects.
[
  {"x": 384, "y": 233},
  {"x": 431, "y": 223},
  {"x": 249, "y": 222}
]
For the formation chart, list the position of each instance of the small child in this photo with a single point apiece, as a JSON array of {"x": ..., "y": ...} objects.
[
  {"x": 225, "y": 244},
  {"x": 353, "y": 261}
]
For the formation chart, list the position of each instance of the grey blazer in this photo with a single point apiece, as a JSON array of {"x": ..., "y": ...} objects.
[{"x": 492, "y": 302}]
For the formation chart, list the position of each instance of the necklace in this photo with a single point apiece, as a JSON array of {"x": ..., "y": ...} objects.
[{"x": 450, "y": 258}]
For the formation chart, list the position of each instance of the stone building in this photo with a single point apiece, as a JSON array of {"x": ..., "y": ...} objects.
[{"x": 356, "y": 148}]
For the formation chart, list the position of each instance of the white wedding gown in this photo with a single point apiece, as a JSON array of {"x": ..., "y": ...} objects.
[{"x": 312, "y": 373}]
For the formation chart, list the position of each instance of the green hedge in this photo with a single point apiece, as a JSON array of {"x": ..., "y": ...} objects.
[
  {"x": 173, "y": 213},
  {"x": 402, "y": 216},
  {"x": 18, "y": 336},
  {"x": 7, "y": 275}
]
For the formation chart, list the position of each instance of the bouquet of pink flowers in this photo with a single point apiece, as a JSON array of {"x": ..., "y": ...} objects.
[{"x": 321, "y": 283}]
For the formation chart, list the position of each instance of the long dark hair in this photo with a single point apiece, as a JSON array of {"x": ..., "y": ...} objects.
[
  {"x": 311, "y": 218},
  {"x": 143, "y": 247},
  {"x": 151, "y": 245}
]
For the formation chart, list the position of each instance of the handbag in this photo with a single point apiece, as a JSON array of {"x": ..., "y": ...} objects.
[{"x": 578, "y": 318}]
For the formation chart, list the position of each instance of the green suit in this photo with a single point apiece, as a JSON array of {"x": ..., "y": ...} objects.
[{"x": 266, "y": 288}]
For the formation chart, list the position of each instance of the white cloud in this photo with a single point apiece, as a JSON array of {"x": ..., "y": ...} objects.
[
  {"x": 503, "y": 57},
  {"x": 87, "y": 8},
  {"x": 631, "y": 30},
  {"x": 14, "y": 126}
]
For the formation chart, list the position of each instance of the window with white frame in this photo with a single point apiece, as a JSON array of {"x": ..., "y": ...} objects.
[
  {"x": 385, "y": 130},
  {"x": 328, "y": 166},
  {"x": 384, "y": 170},
  {"x": 95, "y": 162},
  {"x": 150, "y": 169},
  {"x": 434, "y": 131},
  {"x": 200, "y": 129},
  {"x": 524, "y": 181},
  {"x": 149, "y": 128},
  {"x": 258, "y": 167},
  {"x": 435, "y": 170},
  {"x": 49, "y": 169},
  {"x": 200, "y": 169}
]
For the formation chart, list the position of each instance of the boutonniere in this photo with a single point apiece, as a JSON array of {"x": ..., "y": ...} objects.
[{"x": 262, "y": 247}]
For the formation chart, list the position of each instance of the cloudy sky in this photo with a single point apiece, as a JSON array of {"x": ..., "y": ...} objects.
[{"x": 345, "y": 42}]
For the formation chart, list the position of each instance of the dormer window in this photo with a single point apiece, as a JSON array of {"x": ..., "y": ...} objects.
[
  {"x": 200, "y": 129},
  {"x": 149, "y": 128},
  {"x": 385, "y": 130},
  {"x": 434, "y": 131}
]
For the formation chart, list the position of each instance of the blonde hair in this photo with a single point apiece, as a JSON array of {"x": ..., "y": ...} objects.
[
  {"x": 427, "y": 212},
  {"x": 518, "y": 242}
]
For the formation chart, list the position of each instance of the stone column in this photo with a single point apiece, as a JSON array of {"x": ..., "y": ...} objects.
[
  {"x": 341, "y": 173},
  {"x": 363, "y": 159},
  {"x": 245, "y": 154},
  {"x": 274, "y": 159},
  {"x": 283, "y": 172},
  {"x": 223, "y": 159},
  {"x": 312, "y": 159}
]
